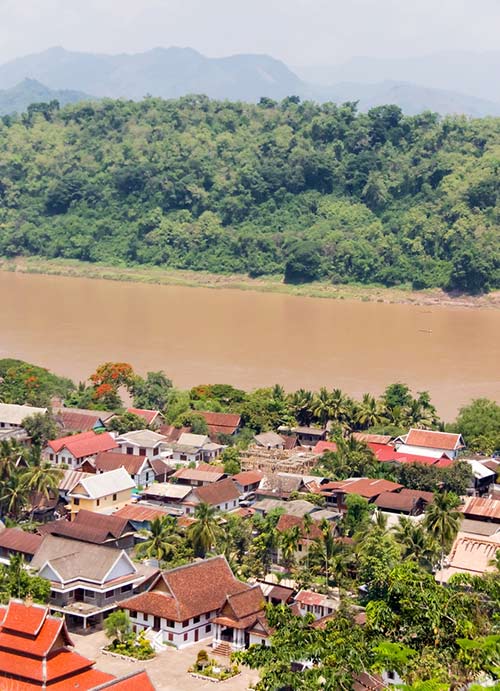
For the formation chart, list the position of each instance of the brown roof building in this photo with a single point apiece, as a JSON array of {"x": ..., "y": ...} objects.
[
  {"x": 220, "y": 423},
  {"x": 95, "y": 528},
  {"x": 17, "y": 541},
  {"x": 223, "y": 495},
  {"x": 482, "y": 509}
]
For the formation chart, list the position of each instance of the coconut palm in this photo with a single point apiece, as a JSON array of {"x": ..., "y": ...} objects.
[
  {"x": 301, "y": 403},
  {"x": 416, "y": 543},
  {"x": 205, "y": 532},
  {"x": 13, "y": 497},
  {"x": 442, "y": 520},
  {"x": 10, "y": 454},
  {"x": 289, "y": 541},
  {"x": 162, "y": 540},
  {"x": 370, "y": 412},
  {"x": 40, "y": 477},
  {"x": 321, "y": 406}
]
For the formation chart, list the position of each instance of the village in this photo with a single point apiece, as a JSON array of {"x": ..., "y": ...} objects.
[{"x": 165, "y": 548}]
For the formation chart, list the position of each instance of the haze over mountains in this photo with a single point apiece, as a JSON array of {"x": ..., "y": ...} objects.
[{"x": 429, "y": 83}]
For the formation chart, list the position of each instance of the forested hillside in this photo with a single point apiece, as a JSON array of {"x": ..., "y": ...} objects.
[{"x": 308, "y": 191}]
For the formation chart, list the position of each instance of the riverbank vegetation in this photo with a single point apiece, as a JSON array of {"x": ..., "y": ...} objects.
[{"x": 297, "y": 190}]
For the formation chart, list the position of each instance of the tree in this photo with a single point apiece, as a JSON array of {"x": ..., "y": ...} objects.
[
  {"x": 117, "y": 625},
  {"x": 152, "y": 392},
  {"x": 204, "y": 533},
  {"x": 471, "y": 272},
  {"x": 17, "y": 582},
  {"x": 230, "y": 457},
  {"x": 41, "y": 428},
  {"x": 126, "y": 422},
  {"x": 442, "y": 520},
  {"x": 289, "y": 541},
  {"x": 162, "y": 540},
  {"x": 369, "y": 413},
  {"x": 357, "y": 515},
  {"x": 303, "y": 262},
  {"x": 479, "y": 424},
  {"x": 321, "y": 406},
  {"x": 39, "y": 476},
  {"x": 416, "y": 543}
]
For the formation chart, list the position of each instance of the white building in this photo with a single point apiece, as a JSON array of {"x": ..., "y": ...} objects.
[
  {"x": 142, "y": 442},
  {"x": 423, "y": 442},
  {"x": 12, "y": 416}
]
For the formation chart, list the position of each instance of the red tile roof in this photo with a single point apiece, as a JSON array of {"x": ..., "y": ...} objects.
[
  {"x": 19, "y": 540},
  {"x": 433, "y": 440},
  {"x": 110, "y": 460},
  {"x": 248, "y": 477},
  {"x": 220, "y": 423},
  {"x": 136, "y": 512},
  {"x": 147, "y": 415},
  {"x": 323, "y": 446},
  {"x": 286, "y": 522},
  {"x": 84, "y": 444},
  {"x": 136, "y": 681},
  {"x": 75, "y": 421},
  {"x": 190, "y": 591},
  {"x": 23, "y": 619},
  {"x": 218, "y": 492}
]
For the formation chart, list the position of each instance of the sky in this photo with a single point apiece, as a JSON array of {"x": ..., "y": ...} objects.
[{"x": 300, "y": 32}]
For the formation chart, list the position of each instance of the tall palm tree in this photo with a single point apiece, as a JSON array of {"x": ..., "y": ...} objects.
[
  {"x": 370, "y": 412},
  {"x": 416, "y": 543},
  {"x": 10, "y": 454},
  {"x": 321, "y": 408},
  {"x": 40, "y": 476},
  {"x": 162, "y": 540},
  {"x": 442, "y": 520},
  {"x": 205, "y": 532},
  {"x": 289, "y": 541},
  {"x": 301, "y": 403},
  {"x": 13, "y": 496}
]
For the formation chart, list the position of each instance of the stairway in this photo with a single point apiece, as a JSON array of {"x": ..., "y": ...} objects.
[{"x": 224, "y": 649}]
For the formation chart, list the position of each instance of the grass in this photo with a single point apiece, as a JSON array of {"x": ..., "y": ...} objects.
[{"x": 267, "y": 284}]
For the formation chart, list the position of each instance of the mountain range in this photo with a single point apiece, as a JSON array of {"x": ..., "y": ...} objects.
[{"x": 70, "y": 76}]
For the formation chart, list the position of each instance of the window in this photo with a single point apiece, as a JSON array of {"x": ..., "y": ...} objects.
[
  {"x": 185, "y": 623},
  {"x": 208, "y": 628},
  {"x": 170, "y": 624},
  {"x": 142, "y": 452},
  {"x": 185, "y": 636},
  {"x": 76, "y": 502},
  {"x": 391, "y": 675},
  {"x": 114, "y": 497},
  {"x": 183, "y": 457},
  {"x": 126, "y": 588},
  {"x": 130, "y": 450},
  {"x": 133, "y": 613},
  {"x": 109, "y": 594},
  {"x": 51, "y": 456},
  {"x": 90, "y": 594},
  {"x": 225, "y": 506},
  {"x": 196, "y": 620},
  {"x": 98, "y": 502},
  {"x": 170, "y": 636}
]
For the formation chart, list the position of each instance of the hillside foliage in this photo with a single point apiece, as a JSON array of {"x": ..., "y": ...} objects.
[{"x": 293, "y": 188}]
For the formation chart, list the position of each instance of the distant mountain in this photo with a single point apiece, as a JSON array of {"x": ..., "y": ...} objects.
[
  {"x": 475, "y": 74},
  {"x": 19, "y": 97},
  {"x": 166, "y": 72},
  {"x": 411, "y": 98},
  {"x": 174, "y": 72}
]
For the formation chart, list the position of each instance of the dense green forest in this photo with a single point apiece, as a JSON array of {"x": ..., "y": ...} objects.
[{"x": 294, "y": 188}]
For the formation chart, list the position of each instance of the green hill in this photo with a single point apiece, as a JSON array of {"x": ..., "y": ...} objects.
[
  {"x": 311, "y": 191},
  {"x": 18, "y": 98}
]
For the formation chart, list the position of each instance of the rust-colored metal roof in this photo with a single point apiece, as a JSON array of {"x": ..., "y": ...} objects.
[
  {"x": 433, "y": 440},
  {"x": 19, "y": 540},
  {"x": 482, "y": 507}
]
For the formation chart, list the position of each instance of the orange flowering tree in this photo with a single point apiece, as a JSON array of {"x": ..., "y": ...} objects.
[{"x": 106, "y": 381}]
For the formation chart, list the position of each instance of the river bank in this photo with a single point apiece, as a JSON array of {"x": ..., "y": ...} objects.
[{"x": 266, "y": 284}]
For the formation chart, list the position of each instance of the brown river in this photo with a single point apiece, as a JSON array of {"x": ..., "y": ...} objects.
[{"x": 251, "y": 339}]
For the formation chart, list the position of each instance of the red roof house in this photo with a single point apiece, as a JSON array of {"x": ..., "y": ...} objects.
[
  {"x": 73, "y": 450},
  {"x": 152, "y": 418},
  {"x": 220, "y": 423}
]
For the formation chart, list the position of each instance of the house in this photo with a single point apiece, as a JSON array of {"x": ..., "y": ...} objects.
[
  {"x": 316, "y": 604},
  {"x": 104, "y": 492},
  {"x": 16, "y": 541},
  {"x": 168, "y": 495},
  {"x": 87, "y": 580},
  {"x": 226, "y": 424},
  {"x": 140, "y": 515},
  {"x": 297, "y": 507},
  {"x": 222, "y": 495},
  {"x": 181, "y": 604},
  {"x": 270, "y": 440},
  {"x": 195, "y": 448},
  {"x": 152, "y": 418},
  {"x": 71, "y": 420},
  {"x": 248, "y": 480},
  {"x": 95, "y": 528},
  {"x": 199, "y": 477},
  {"x": 470, "y": 554},
  {"x": 323, "y": 446},
  {"x": 241, "y": 622},
  {"x": 482, "y": 477},
  {"x": 35, "y": 652},
  {"x": 12, "y": 415},
  {"x": 75, "y": 449},
  {"x": 366, "y": 438},
  {"x": 276, "y": 594},
  {"x": 335, "y": 493},
  {"x": 307, "y": 538},
  {"x": 142, "y": 442},
  {"x": 482, "y": 509},
  {"x": 138, "y": 467},
  {"x": 69, "y": 480},
  {"x": 309, "y": 436},
  {"x": 161, "y": 469},
  {"x": 408, "y": 501},
  {"x": 172, "y": 433},
  {"x": 430, "y": 443}
]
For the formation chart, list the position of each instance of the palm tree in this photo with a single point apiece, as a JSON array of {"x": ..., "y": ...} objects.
[
  {"x": 416, "y": 543},
  {"x": 162, "y": 540},
  {"x": 340, "y": 406},
  {"x": 301, "y": 403},
  {"x": 442, "y": 520},
  {"x": 10, "y": 454},
  {"x": 289, "y": 541},
  {"x": 40, "y": 477},
  {"x": 321, "y": 408},
  {"x": 13, "y": 496},
  {"x": 204, "y": 533},
  {"x": 370, "y": 412}
]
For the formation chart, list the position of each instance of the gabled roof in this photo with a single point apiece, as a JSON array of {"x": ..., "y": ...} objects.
[
  {"x": 194, "y": 440},
  {"x": 269, "y": 439},
  {"x": 197, "y": 475},
  {"x": 323, "y": 446},
  {"x": 480, "y": 507},
  {"x": 365, "y": 487},
  {"x": 248, "y": 477},
  {"x": 400, "y": 501},
  {"x": 140, "y": 513},
  {"x": 217, "y": 492},
  {"x": 102, "y": 485},
  {"x": 220, "y": 423},
  {"x": 111, "y": 460},
  {"x": 89, "y": 526},
  {"x": 71, "y": 478},
  {"x": 13, "y": 414},
  {"x": 84, "y": 444},
  {"x": 188, "y": 591},
  {"x": 19, "y": 540},
  {"x": 372, "y": 438},
  {"x": 149, "y": 416},
  {"x": 73, "y": 559},
  {"x": 75, "y": 421},
  {"x": 434, "y": 440},
  {"x": 168, "y": 490}
]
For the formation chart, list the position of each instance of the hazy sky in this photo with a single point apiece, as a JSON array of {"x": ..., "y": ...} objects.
[{"x": 301, "y": 32}]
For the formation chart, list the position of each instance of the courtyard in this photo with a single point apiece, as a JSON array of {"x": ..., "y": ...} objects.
[{"x": 167, "y": 671}]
